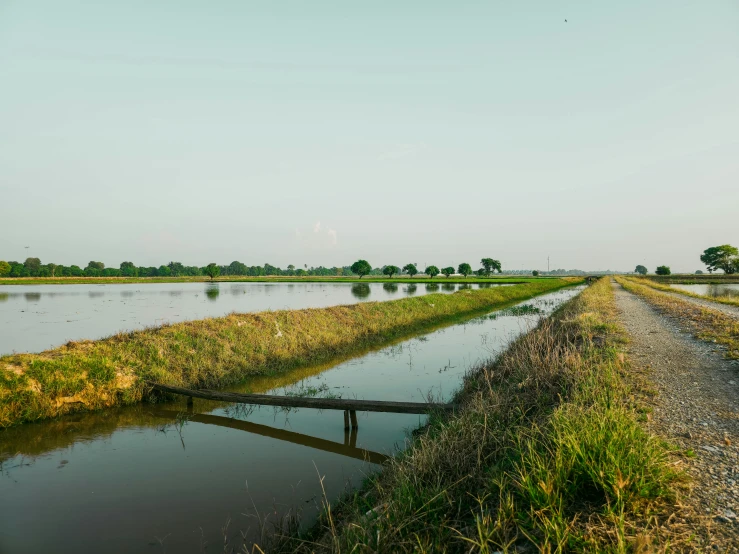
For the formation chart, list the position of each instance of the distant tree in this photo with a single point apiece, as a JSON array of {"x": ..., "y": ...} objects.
[
  {"x": 410, "y": 269},
  {"x": 464, "y": 269},
  {"x": 390, "y": 270},
  {"x": 212, "y": 270},
  {"x": 237, "y": 268},
  {"x": 164, "y": 271},
  {"x": 490, "y": 266},
  {"x": 663, "y": 270},
  {"x": 641, "y": 270},
  {"x": 95, "y": 265},
  {"x": 447, "y": 271},
  {"x": 129, "y": 270},
  {"x": 535, "y": 273},
  {"x": 725, "y": 257},
  {"x": 4, "y": 269},
  {"x": 481, "y": 272},
  {"x": 76, "y": 271},
  {"x": 432, "y": 271},
  {"x": 361, "y": 268},
  {"x": 176, "y": 268},
  {"x": 32, "y": 265},
  {"x": 52, "y": 269},
  {"x": 699, "y": 272}
]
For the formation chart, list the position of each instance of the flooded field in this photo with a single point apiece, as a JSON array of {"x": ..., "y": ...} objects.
[
  {"x": 727, "y": 289},
  {"x": 157, "y": 477},
  {"x": 38, "y": 317}
]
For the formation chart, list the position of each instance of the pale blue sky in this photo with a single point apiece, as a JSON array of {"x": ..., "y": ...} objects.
[{"x": 431, "y": 132}]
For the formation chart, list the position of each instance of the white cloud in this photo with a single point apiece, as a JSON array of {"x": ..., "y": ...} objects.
[{"x": 321, "y": 237}]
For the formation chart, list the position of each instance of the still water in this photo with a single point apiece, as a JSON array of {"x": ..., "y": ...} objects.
[
  {"x": 38, "y": 317},
  {"x": 155, "y": 478},
  {"x": 727, "y": 289}
]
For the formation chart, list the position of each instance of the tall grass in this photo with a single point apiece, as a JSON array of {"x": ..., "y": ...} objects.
[
  {"x": 221, "y": 351},
  {"x": 546, "y": 451},
  {"x": 729, "y": 300},
  {"x": 706, "y": 323}
]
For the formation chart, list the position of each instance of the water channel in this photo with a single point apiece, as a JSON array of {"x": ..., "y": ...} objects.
[
  {"x": 38, "y": 317},
  {"x": 724, "y": 289},
  {"x": 154, "y": 477}
]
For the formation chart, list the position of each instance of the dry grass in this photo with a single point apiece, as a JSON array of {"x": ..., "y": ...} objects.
[
  {"x": 729, "y": 300},
  {"x": 546, "y": 451},
  {"x": 217, "y": 352},
  {"x": 705, "y": 323}
]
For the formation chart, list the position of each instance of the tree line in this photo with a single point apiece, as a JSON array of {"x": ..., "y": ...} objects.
[
  {"x": 32, "y": 267},
  {"x": 489, "y": 266}
]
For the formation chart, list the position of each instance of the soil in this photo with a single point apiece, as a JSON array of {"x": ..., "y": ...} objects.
[{"x": 696, "y": 409}]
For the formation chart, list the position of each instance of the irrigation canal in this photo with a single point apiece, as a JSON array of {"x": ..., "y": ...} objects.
[
  {"x": 160, "y": 477},
  {"x": 38, "y": 317}
]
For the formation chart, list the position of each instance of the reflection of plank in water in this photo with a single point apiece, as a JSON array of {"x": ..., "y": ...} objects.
[
  {"x": 303, "y": 402},
  {"x": 349, "y": 450}
]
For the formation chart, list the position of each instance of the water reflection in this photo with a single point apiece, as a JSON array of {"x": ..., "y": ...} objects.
[
  {"x": 449, "y": 287},
  {"x": 92, "y": 294},
  {"x": 465, "y": 286},
  {"x": 360, "y": 290},
  {"x": 410, "y": 290},
  {"x": 723, "y": 289},
  {"x": 390, "y": 287},
  {"x": 127, "y": 294},
  {"x": 32, "y": 296},
  {"x": 3, "y": 296},
  {"x": 212, "y": 291},
  {"x": 432, "y": 287}
]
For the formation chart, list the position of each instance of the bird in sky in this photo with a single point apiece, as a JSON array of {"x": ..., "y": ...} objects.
[{"x": 565, "y": 21}]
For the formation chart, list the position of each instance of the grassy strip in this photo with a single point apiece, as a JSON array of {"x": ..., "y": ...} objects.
[
  {"x": 705, "y": 323},
  {"x": 546, "y": 450},
  {"x": 731, "y": 301},
  {"x": 263, "y": 279},
  {"x": 220, "y": 351}
]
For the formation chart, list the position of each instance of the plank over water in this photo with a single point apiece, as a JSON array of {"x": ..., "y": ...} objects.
[{"x": 302, "y": 402}]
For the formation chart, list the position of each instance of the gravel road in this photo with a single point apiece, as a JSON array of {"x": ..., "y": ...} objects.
[
  {"x": 697, "y": 408},
  {"x": 728, "y": 310}
]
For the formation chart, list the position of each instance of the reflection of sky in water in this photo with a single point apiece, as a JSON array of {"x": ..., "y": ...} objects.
[
  {"x": 728, "y": 289},
  {"x": 131, "y": 476},
  {"x": 38, "y": 317}
]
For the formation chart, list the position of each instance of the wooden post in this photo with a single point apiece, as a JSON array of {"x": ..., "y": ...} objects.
[
  {"x": 353, "y": 415},
  {"x": 353, "y": 438},
  {"x": 346, "y": 420}
]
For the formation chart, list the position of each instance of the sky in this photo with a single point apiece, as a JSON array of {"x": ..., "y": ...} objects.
[{"x": 316, "y": 133}]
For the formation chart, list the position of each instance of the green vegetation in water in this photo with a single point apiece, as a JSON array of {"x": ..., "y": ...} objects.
[
  {"x": 546, "y": 451},
  {"x": 222, "y": 351}
]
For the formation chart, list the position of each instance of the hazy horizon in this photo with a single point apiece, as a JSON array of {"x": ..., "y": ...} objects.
[{"x": 318, "y": 134}]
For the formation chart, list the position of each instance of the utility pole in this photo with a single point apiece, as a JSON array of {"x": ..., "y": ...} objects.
[{"x": 547, "y": 264}]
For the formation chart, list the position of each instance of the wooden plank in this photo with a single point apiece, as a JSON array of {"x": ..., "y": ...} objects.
[
  {"x": 301, "y": 402},
  {"x": 350, "y": 450}
]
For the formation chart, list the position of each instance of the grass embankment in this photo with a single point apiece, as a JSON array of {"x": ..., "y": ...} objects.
[
  {"x": 731, "y": 301},
  {"x": 705, "y": 323},
  {"x": 221, "y": 351},
  {"x": 692, "y": 279},
  {"x": 264, "y": 279},
  {"x": 546, "y": 450}
]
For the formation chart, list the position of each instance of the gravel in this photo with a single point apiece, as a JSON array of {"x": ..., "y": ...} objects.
[
  {"x": 732, "y": 311},
  {"x": 696, "y": 409}
]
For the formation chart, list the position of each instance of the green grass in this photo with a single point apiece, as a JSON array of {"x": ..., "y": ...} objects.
[
  {"x": 265, "y": 279},
  {"x": 546, "y": 451},
  {"x": 222, "y": 351}
]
